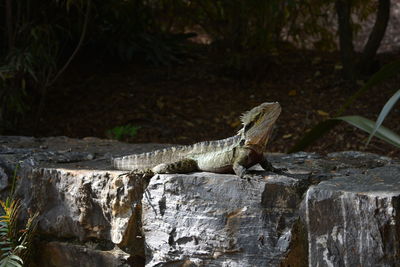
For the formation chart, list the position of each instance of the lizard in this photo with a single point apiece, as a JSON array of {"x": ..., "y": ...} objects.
[{"x": 231, "y": 155}]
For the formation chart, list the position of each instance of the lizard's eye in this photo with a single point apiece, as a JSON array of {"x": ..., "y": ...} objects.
[{"x": 248, "y": 126}]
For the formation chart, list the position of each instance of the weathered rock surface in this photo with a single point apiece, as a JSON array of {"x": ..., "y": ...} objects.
[
  {"x": 336, "y": 210},
  {"x": 220, "y": 220},
  {"x": 67, "y": 254},
  {"x": 355, "y": 221},
  {"x": 67, "y": 182}
]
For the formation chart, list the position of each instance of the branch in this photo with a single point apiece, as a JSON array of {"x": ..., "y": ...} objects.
[
  {"x": 375, "y": 37},
  {"x": 78, "y": 46}
]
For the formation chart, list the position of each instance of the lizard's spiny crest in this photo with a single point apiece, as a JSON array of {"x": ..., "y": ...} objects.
[{"x": 251, "y": 115}]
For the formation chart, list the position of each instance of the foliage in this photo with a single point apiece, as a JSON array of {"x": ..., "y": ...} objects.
[
  {"x": 122, "y": 132},
  {"x": 138, "y": 30},
  {"x": 42, "y": 37},
  {"x": 30, "y": 55},
  {"x": 8, "y": 231},
  {"x": 376, "y": 128},
  {"x": 239, "y": 24},
  {"x": 15, "y": 244},
  {"x": 382, "y": 115},
  {"x": 369, "y": 126},
  {"x": 388, "y": 71}
]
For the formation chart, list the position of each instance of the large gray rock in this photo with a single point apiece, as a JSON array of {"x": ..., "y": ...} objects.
[
  {"x": 220, "y": 220},
  {"x": 78, "y": 196},
  {"x": 336, "y": 210},
  {"x": 72, "y": 255},
  {"x": 355, "y": 220},
  {"x": 81, "y": 204}
]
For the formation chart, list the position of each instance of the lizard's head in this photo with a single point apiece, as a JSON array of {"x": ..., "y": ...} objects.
[{"x": 258, "y": 123}]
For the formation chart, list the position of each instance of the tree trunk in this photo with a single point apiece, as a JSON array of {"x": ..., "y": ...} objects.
[
  {"x": 343, "y": 9},
  {"x": 9, "y": 30},
  {"x": 352, "y": 68},
  {"x": 365, "y": 63}
]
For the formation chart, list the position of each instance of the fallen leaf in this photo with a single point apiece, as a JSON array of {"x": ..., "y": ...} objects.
[
  {"x": 323, "y": 113},
  {"x": 338, "y": 67},
  {"x": 286, "y": 136},
  {"x": 160, "y": 103},
  {"x": 188, "y": 123},
  {"x": 292, "y": 92},
  {"x": 316, "y": 60}
]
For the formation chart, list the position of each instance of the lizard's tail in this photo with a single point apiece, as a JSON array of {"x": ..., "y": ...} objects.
[
  {"x": 144, "y": 160},
  {"x": 125, "y": 163}
]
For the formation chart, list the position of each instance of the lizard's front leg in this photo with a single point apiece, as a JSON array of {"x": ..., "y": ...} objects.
[
  {"x": 240, "y": 170},
  {"x": 242, "y": 160}
]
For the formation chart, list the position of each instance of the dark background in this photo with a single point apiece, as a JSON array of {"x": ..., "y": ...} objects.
[{"x": 182, "y": 71}]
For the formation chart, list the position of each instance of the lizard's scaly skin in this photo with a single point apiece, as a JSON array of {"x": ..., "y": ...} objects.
[{"x": 236, "y": 153}]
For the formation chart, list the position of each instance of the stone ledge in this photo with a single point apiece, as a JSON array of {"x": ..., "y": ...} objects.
[
  {"x": 355, "y": 220},
  {"x": 339, "y": 209}
]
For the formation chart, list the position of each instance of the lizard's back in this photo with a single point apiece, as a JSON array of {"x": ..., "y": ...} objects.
[{"x": 199, "y": 151}]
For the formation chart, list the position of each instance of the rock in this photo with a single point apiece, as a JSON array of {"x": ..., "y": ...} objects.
[
  {"x": 3, "y": 179},
  {"x": 355, "y": 220},
  {"x": 71, "y": 255},
  {"x": 220, "y": 220},
  {"x": 85, "y": 205},
  {"x": 66, "y": 181},
  {"x": 335, "y": 210}
]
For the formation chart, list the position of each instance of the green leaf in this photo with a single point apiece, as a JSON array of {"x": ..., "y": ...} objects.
[
  {"x": 121, "y": 132},
  {"x": 384, "y": 112},
  {"x": 368, "y": 126}
]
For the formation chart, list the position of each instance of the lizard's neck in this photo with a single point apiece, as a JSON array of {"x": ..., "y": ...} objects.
[{"x": 259, "y": 149}]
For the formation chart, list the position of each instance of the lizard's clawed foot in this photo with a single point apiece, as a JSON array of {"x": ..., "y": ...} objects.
[
  {"x": 144, "y": 173},
  {"x": 279, "y": 170}
]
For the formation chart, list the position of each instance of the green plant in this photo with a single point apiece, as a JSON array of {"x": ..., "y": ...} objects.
[
  {"x": 369, "y": 126},
  {"x": 15, "y": 244},
  {"x": 382, "y": 115},
  {"x": 9, "y": 250},
  {"x": 376, "y": 128},
  {"x": 137, "y": 30},
  {"x": 122, "y": 132},
  {"x": 34, "y": 53},
  {"x": 237, "y": 25},
  {"x": 388, "y": 71}
]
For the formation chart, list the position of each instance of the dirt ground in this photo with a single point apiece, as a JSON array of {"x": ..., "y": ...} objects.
[{"x": 202, "y": 99}]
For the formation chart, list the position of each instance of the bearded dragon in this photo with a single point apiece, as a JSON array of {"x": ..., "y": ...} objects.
[{"x": 231, "y": 155}]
